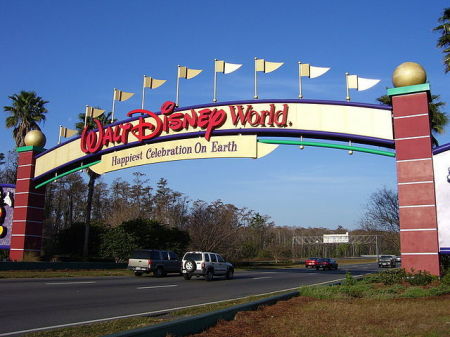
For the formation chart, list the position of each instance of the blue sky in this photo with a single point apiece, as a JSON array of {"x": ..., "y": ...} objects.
[{"x": 74, "y": 53}]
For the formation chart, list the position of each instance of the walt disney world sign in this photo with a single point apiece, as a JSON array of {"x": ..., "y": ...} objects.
[{"x": 225, "y": 130}]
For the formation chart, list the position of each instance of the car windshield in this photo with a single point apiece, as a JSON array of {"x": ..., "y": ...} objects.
[
  {"x": 193, "y": 256},
  {"x": 385, "y": 257}
]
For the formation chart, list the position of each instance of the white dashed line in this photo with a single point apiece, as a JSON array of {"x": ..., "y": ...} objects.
[
  {"x": 64, "y": 283},
  {"x": 154, "y": 287},
  {"x": 260, "y": 278}
]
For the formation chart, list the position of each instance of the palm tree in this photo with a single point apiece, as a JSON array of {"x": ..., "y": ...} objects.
[
  {"x": 104, "y": 119},
  {"x": 444, "y": 39},
  {"x": 438, "y": 118},
  {"x": 26, "y": 111}
]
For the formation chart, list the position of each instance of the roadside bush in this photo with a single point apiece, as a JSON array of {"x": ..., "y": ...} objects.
[
  {"x": 391, "y": 277},
  {"x": 349, "y": 280},
  {"x": 414, "y": 292},
  {"x": 321, "y": 292},
  {"x": 446, "y": 279},
  {"x": 356, "y": 290},
  {"x": 422, "y": 278},
  {"x": 442, "y": 289}
]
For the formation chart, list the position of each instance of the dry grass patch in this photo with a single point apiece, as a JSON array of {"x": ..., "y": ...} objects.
[{"x": 305, "y": 316}]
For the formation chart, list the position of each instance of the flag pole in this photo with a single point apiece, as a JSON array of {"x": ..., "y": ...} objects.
[
  {"x": 59, "y": 137},
  {"x": 113, "y": 106},
  {"x": 85, "y": 115},
  {"x": 178, "y": 86},
  {"x": 215, "y": 82},
  {"x": 256, "y": 91},
  {"x": 348, "y": 91},
  {"x": 143, "y": 94},
  {"x": 300, "y": 95}
]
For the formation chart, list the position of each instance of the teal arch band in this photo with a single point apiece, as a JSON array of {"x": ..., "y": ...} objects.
[
  {"x": 328, "y": 145},
  {"x": 67, "y": 173}
]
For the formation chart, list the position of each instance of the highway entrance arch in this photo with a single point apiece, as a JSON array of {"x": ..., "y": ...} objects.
[{"x": 253, "y": 129}]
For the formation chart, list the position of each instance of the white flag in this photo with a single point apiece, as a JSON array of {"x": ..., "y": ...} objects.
[
  {"x": 187, "y": 73},
  {"x": 359, "y": 83},
  {"x": 266, "y": 66},
  {"x": 67, "y": 133},
  {"x": 226, "y": 68},
  {"x": 307, "y": 70}
]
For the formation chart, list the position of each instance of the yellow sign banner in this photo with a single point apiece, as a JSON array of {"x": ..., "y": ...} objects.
[{"x": 193, "y": 148}]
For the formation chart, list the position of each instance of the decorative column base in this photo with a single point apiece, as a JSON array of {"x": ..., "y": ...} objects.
[{"x": 26, "y": 237}]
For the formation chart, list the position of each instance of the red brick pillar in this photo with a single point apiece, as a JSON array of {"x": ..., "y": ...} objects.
[
  {"x": 26, "y": 237},
  {"x": 416, "y": 193}
]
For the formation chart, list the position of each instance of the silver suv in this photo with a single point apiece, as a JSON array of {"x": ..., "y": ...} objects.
[{"x": 205, "y": 264}]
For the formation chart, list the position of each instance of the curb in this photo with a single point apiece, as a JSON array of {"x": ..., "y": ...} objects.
[{"x": 199, "y": 323}]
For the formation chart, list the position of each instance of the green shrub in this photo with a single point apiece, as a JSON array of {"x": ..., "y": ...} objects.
[
  {"x": 422, "y": 278},
  {"x": 321, "y": 292},
  {"x": 349, "y": 279},
  {"x": 394, "y": 276},
  {"x": 356, "y": 290},
  {"x": 414, "y": 292},
  {"x": 442, "y": 289},
  {"x": 446, "y": 279}
]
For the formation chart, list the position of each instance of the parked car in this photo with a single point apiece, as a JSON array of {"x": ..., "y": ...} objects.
[
  {"x": 206, "y": 264},
  {"x": 158, "y": 262},
  {"x": 386, "y": 261},
  {"x": 398, "y": 259},
  {"x": 326, "y": 263},
  {"x": 311, "y": 262}
]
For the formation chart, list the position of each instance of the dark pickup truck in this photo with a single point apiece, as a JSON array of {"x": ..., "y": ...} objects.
[{"x": 158, "y": 262}]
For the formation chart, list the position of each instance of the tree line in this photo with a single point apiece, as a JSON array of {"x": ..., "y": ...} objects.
[{"x": 127, "y": 215}]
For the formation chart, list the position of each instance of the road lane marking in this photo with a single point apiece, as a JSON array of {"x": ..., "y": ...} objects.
[
  {"x": 153, "y": 287},
  {"x": 62, "y": 283},
  {"x": 160, "y": 311},
  {"x": 260, "y": 278}
]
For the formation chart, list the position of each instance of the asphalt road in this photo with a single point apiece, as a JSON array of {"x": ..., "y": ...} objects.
[{"x": 35, "y": 304}]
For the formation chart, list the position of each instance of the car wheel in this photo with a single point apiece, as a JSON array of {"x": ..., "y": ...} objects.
[
  {"x": 187, "y": 276},
  {"x": 137, "y": 273},
  {"x": 159, "y": 272},
  {"x": 209, "y": 275},
  {"x": 190, "y": 266},
  {"x": 229, "y": 275}
]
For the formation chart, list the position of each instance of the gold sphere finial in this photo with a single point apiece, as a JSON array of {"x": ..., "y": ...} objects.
[
  {"x": 35, "y": 138},
  {"x": 408, "y": 73}
]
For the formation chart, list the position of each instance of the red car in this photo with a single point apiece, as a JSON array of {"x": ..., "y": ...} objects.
[
  {"x": 311, "y": 262},
  {"x": 327, "y": 264}
]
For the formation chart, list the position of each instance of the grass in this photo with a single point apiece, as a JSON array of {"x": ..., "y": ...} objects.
[
  {"x": 114, "y": 326},
  {"x": 366, "y": 307},
  {"x": 63, "y": 273},
  {"x": 368, "y": 317}
]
